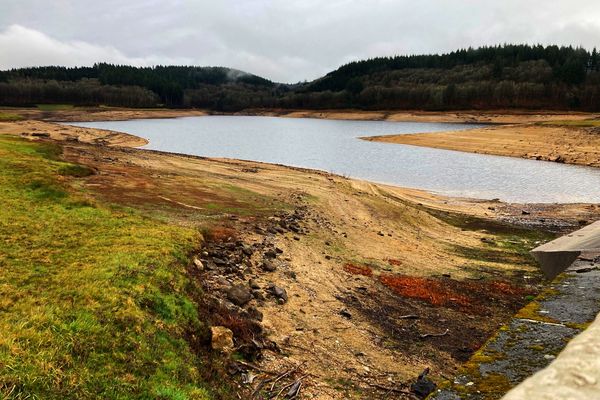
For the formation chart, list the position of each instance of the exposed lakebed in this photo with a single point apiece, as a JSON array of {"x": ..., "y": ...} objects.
[{"x": 334, "y": 146}]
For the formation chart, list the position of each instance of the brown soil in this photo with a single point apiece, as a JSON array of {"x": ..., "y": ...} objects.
[
  {"x": 345, "y": 321},
  {"x": 548, "y": 143}
]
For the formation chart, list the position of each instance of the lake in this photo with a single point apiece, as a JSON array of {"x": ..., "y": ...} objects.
[{"x": 333, "y": 145}]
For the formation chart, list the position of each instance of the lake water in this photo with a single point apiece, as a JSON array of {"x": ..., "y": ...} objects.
[{"x": 333, "y": 145}]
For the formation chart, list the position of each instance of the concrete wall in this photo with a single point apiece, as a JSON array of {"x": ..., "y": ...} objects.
[{"x": 573, "y": 375}]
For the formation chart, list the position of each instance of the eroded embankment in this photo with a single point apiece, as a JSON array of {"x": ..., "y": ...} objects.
[
  {"x": 301, "y": 230},
  {"x": 335, "y": 281}
]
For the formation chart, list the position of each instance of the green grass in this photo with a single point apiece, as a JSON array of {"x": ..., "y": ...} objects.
[
  {"x": 54, "y": 107},
  {"x": 9, "y": 117},
  {"x": 94, "y": 299}
]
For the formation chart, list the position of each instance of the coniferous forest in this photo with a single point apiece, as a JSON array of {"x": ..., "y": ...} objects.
[{"x": 507, "y": 76}]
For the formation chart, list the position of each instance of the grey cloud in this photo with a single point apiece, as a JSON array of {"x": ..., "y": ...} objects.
[{"x": 281, "y": 40}]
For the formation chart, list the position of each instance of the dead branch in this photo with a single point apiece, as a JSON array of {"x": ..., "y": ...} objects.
[
  {"x": 409, "y": 316},
  {"x": 394, "y": 390},
  {"x": 255, "y": 367},
  {"x": 426, "y": 335}
]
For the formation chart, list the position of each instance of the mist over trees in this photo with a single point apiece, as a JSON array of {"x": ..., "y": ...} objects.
[{"x": 507, "y": 76}]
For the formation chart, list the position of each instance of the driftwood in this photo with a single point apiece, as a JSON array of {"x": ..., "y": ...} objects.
[
  {"x": 392, "y": 390},
  {"x": 409, "y": 316},
  {"x": 426, "y": 335}
]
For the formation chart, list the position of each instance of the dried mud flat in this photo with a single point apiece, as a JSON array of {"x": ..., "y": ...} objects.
[{"x": 348, "y": 288}]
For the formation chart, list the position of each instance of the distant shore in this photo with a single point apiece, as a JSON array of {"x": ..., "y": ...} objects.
[{"x": 566, "y": 137}]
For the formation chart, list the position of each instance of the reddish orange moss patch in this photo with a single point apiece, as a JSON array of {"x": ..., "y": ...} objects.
[
  {"x": 221, "y": 234},
  {"x": 433, "y": 291},
  {"x": 358, "y": 269}
]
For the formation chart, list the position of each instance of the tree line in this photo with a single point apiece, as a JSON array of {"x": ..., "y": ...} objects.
[{"x": 518, "y": 76}]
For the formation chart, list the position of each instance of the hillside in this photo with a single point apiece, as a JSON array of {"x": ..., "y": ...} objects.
[{"x": 508, "y": 76}]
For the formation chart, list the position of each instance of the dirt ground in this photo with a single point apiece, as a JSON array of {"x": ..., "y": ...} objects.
[{"x": 381, "y": 282}]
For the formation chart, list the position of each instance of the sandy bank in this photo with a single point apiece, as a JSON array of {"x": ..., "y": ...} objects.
[
  {"x": 569, "y": 145},
  {"x": 41, "y": 129}
]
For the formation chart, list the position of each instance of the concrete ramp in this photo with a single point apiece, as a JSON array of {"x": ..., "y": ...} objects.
[{"x": 555, "y": 257}]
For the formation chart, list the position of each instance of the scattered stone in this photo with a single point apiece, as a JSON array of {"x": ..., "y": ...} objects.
[
  {"x": 268, "y": 266},
  {"x": 254, "y": 313},
  {"x": 219, "y": 261},
  {"x": 380, "y": 233},
  {"x": 239, "y": 295},
  {"x": 524, "y": 212},
  {"x": 198, "y": 264},
  {"x": 257, "y": 294},
  {"x": 424, "y": 386},
  {"x": 345, "y": 313},
  {"x": 247, "y": 250},
  {"x": 221, "y": 339},
  {"x": 270, "y": 254},
  {"x": 254, "y": 284},
  {"x": 278, "y": 292}
]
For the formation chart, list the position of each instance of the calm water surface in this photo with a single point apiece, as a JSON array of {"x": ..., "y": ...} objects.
[{"x": 334, "y": 146}]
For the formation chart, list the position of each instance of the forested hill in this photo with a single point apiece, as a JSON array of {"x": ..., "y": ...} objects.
[
  {"x": 508, "y": 76},
  {"x": 118, "y": 85},
  {"x": 489, "y": 77}
]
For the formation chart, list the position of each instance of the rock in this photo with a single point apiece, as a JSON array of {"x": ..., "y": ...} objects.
[
  {"x": 198, "y": 264},
  {"x": 254, "y": 313},
  {"x": 239, "y": 295},
  {"x": 424, "y": 386},
  {"x": 219, "y": 261},
  {"x": 253, "y": 284},
  {"x": 270, "y": 254},
  {"x": 268, "y": 266},
  {"x": 221, "y": 339},
  {"x": 524, "y": 212},
  {"x": 345, "y": 313},
  {"x": 278, "y": 292},
  {"x": 247, "y": 250},
  {"x": 257, "y": 294},
  {"x": 381, "y": 233}
]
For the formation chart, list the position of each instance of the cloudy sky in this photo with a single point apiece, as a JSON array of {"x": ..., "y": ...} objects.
[{"x": 283, "y": 40}]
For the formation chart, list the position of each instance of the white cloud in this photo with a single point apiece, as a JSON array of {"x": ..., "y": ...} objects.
[{"x": 24, "y": 47}]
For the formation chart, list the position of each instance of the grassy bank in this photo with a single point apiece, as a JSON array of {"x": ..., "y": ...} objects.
[{"x": 94, "y": 299}]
